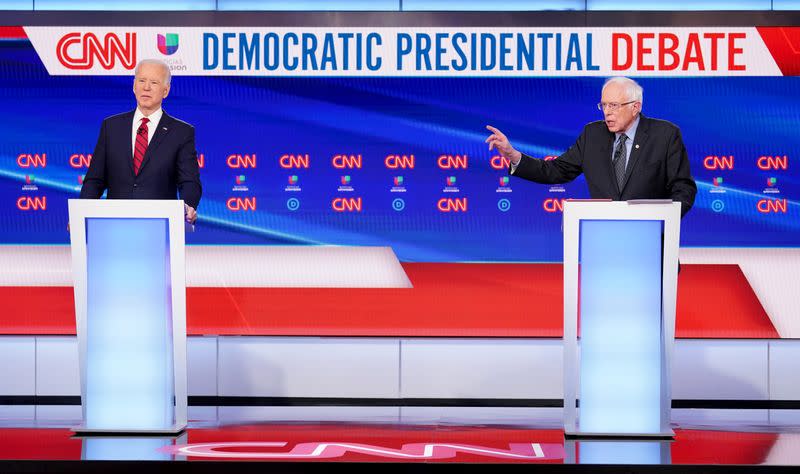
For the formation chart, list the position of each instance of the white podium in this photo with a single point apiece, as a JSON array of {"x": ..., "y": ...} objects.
[
  {"x": 620, "y": 283},
  {"x": 128, "y": 265}
]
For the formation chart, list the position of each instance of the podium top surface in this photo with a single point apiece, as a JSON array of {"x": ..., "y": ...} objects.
[
  {"x": 639, "y": 209},
  {"x": 132, "y": 208}
]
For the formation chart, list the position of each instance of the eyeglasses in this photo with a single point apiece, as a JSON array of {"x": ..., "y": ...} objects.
[{"x": 612, "y": 106}]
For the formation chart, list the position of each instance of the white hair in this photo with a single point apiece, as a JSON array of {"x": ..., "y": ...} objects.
[
  {"x": 632, "y": 88},
  {"x": 167, "y": 73}
]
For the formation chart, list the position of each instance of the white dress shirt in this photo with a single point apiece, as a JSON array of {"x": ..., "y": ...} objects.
[{"x": 155, "y": 117}]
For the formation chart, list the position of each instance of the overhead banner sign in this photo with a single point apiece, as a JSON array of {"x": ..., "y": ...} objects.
[{"x": 422, "y": 52}]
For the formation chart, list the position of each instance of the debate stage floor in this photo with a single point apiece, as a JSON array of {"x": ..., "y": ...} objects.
[{"x": 405, "y": 439}]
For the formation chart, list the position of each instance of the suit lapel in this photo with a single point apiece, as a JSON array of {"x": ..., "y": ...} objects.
[
  {"x": 162, "y": 129},
  {"x": 129, "y": 148},
  {"x": 605, "y": 153},
  {"x": 639, "y": 142}
]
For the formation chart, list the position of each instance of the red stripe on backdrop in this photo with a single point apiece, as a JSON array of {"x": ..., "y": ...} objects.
[
  {"x": 47, "y": 310},
  {"x": 717, "y": 301},
  {"x": 783, "y": 43},
  {"x": 448, "y": 300},
  {"x": 488, "y": 300},
  {"x": 12, "y": 32}
]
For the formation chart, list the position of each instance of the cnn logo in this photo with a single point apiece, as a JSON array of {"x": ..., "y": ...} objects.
[
  {"x": 241, "y": 204},
  {"x": 553, "y": 205},
  {"x": 241, "y": 161},
  {"x": 447, "y": 162},
  {"x": 500, "y": 163},
  {"x": 394, "y": 162},
  {"x": 80, "y": 51},
  {"x": 768, "y": 206},
  {"x": 452, "y": 205},
  {"x": 773, "y": 162},
  {"x": 80, "y": 161},
  {"x": 27, "y": 160},
  {"x": 347, "y": 204},
  {"x": 713, "y": 162},
  {"x": 294, "y": 161},
  {"x": 36, "y": 203},
  {"x": 346, "y": 161}
]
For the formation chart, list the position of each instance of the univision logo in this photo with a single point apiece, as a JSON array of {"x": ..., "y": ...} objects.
[{"x": 168, "y": 43}]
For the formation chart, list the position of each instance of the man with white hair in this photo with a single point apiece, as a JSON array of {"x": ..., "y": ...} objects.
[
  {"x": 625, "y": 156},
  {"x": 145, "y": 153}
]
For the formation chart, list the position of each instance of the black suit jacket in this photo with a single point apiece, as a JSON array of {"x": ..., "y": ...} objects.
[
  {"x": 658, "y": 167},
  {"x": 169, "y": 165}
]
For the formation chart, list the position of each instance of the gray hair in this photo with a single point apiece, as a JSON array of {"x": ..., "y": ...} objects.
[
  {"x": 632, "y": 88},
  {"x": 167, "y": 73}
]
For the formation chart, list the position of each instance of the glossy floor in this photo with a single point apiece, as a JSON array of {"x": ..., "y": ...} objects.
[{"x": 408, "y": 434}]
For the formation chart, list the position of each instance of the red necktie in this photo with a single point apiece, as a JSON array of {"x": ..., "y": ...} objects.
[{"x": 141, "y": 145}]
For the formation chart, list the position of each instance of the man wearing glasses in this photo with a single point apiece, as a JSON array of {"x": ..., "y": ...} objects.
[{"x": 625, "y": 156}]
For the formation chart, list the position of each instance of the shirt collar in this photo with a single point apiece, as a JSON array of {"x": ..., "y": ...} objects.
[
  {"x": 631, "y": 132},
  {"x": 155, "y": 117}
]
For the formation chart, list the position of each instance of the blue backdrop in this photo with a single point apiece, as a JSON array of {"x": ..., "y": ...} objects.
[{"x": 58, "y": 117}]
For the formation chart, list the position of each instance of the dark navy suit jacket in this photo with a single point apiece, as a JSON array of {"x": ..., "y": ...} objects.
[
  {"x": 658, "y": 167},
  {"x": 169, "y": 166}
]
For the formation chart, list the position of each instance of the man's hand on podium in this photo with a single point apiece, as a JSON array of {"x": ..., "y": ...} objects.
[{"x": 190, "y": 213}]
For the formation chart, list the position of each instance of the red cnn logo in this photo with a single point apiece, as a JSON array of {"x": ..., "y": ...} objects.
[
  {"x": 241, "y": 204},
  {"x": 26, "y": 203},
  {"x": 713, "y": 162},
  {"x": 346, "y": 204},
  {"x": 766, "y": 206},
  {"x": 294, "y": 161},
  {"x": 549, "y": 157},
  {"x": 346, "y": 161},
  {"x": 499, "y": 162},
  {"x": 80, "y": 161},
  {"x": 773, "y": 162},
  {"x": 241, "y": 161},
  {"x": 447, "y": 162},
  {"x": 201, "y": 160},
  {"x": 26, "y": 160},
  {"x": 452, "y": 205},
  {"x": 399, "y": 161},
  {"x": 79, "y": 51},
  {"x": 553, "y": 205}
]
